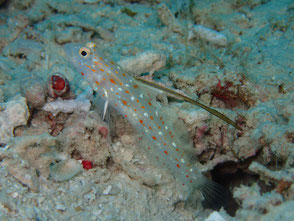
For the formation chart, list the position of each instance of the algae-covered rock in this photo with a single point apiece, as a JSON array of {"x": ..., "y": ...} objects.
[
  {"x": 283, "y": 212},
  {"x": 34, "y": 91},
  {"x": 235, "y": 56},
  {"x": 148, "y": 61},
  {"x": 14, "y": 113},
  {"x": 67, "y": 106},
  {"x": 85, "y": 137},
  {"x": 23, "y": 172}
]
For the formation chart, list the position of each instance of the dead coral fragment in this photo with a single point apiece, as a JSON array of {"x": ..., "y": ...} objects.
[
  {"x": 266, "y": 174},
  {"x": 68, "y": 106},
  {"x": 65, "y": 169},
  {"x": 167, "y": 18},
  {"x": 28, "y": 158},
  {"x": 283, "y": 179},
  {"x": 34, "y": 91},
  {"x": 15, "y": 113},
  {"x": 23, "y": 172},
  {"x": 147, "y": 61},
  {"x": 84, "y": 138},
  {"x": 207, "y": 34}
]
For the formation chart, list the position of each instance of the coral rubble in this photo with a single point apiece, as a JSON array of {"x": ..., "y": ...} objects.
[{"x": 65, "y": 155}]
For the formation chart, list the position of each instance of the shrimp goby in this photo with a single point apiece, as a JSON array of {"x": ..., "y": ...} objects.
[{"x": 131, "y": 98}]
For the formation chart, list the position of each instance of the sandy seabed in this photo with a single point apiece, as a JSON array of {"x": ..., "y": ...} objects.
[{"x": 61, "y": 161}]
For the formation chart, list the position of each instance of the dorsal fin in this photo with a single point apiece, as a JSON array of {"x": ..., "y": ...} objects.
[
  {"x": 151, "y": 92},
  {"x": 176, "y": 126},
  {"x": 186, "y": 98}
]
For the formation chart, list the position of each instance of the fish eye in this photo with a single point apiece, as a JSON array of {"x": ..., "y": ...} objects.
[{"x": 84, "y": 52}]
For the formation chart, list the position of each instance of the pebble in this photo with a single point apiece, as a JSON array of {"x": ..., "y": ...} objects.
[
  {"x": 207, "y": 34},
  {"x": 107, "y": 190},
  {"x": 60, "y": 207},
  {"x": 215, "y": 216}
]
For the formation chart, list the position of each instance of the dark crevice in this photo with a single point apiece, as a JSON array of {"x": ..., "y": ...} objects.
[
  {"x": 230, "y": 178},
  {"x": 33, "y": 112},
  {"x": 109, "y": 162},
  {"x": 231, "y": 175}
]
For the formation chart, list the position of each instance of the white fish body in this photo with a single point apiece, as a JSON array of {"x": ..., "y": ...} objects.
[{"x": 125, "y": 94}]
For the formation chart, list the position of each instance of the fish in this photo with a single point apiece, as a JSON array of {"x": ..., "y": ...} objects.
[{"x": 136, "y": 101}]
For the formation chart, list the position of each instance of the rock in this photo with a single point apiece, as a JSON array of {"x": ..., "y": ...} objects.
[
  {"x": 215, "y": 216},
  {"x": 282, "y": 212},
  {"x": 255, "y": 204},
  {"x": 34, "y": 91},
  {"x": 65, "y": 170},
  {"x": 167, "y": 18},
  {"x": 37, "y": 150},
  {"x": 194, "y": 117},
  {"x": 15, "y": 113},
  {"x": 82, "y": 138},
  {"x": 207, "y": 34},
  {"x": 90, "y": 1},
  {"x": 21, "y": 170},
  {"x": 107, "y": 190},
  {"x": 67, "y": 106},
  {"x": 148, "y": 61},
  {"x": 105, "y": 34},
  {"x": 265, "y": 173}
]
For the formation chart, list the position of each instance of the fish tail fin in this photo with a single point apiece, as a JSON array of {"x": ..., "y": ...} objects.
[{"x": 214, "y": 195}]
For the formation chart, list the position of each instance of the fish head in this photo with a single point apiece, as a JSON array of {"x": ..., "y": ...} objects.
[{"x": 83, "y": 58}]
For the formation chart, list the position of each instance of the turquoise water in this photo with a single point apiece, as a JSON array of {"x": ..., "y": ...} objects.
[{"x": 67, "y": 155}]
